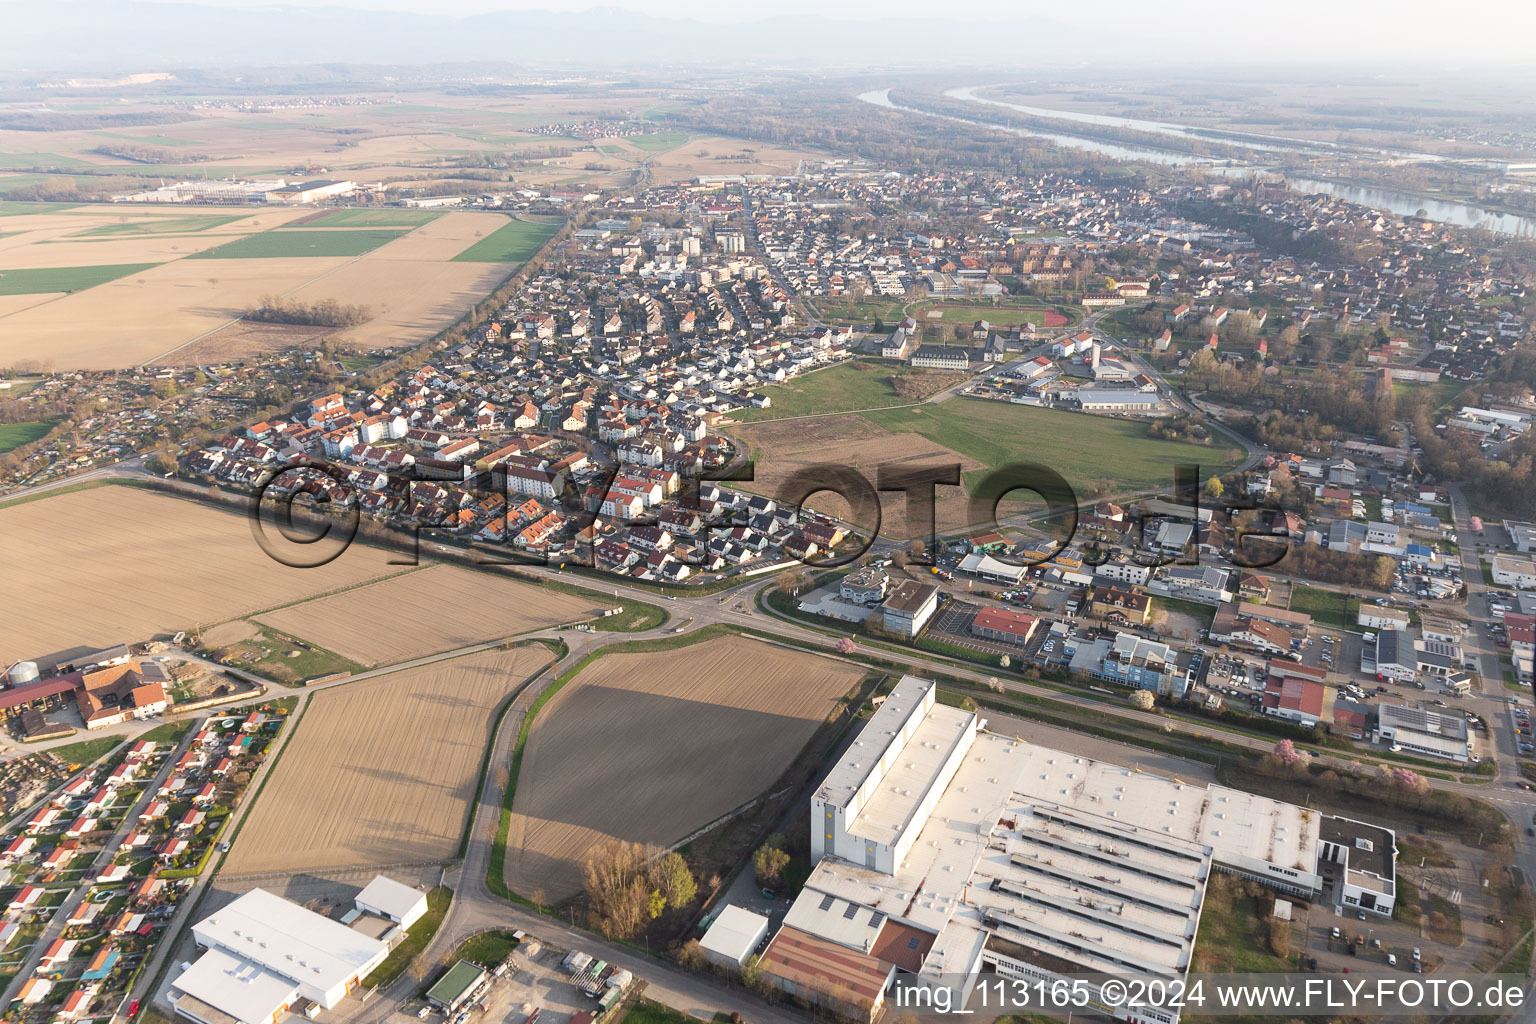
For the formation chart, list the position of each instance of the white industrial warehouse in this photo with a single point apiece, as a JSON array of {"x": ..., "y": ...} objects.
[
  {"x": 264, "y": 955},
  {"x": 944, "y": 850}
]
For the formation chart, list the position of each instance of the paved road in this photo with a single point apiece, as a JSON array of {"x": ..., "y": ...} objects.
[{"x": 475, "y": 909}]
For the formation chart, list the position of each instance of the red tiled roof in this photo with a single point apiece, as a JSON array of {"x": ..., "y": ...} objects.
[{"x": 815, "y": 963}]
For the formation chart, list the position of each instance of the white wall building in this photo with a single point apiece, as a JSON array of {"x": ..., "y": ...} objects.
[
  {"x": 385, "y": 897},
  {"x": 1509, "y": 571},
  {"x": 263, "y": 955},
  {"x": 734, "y": 936}
]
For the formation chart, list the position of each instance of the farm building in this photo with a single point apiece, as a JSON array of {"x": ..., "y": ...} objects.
[
  {"x": 734, "y": 936},
  {"x": 904, "y": 881},
  {"x": 107, "y": 693},
  {"x": 263, "y": 954}
]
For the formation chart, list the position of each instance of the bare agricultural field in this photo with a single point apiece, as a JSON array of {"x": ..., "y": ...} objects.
[
  {"x": 15, "y": 303},
  {"x": 227, "y": 634},
  {"x": 442, "y": 238},
  {"x": 240, "y": 339},
  {"x": 439, "y": 608},
  {"x": 181, "y": 300},
  {"x": 382, "y": 771},
  {"x": 118, "y": 564},
  {"x": 97, "y": 252},
  {"x": 410, "y": 299},
  {"x": 650, "y": 747},
  {"x": 786, "y": 447},
  {"x": 186, "y": 310},
  {"x": 710, "y": 155},
  {"x": 105, "y": 235}
]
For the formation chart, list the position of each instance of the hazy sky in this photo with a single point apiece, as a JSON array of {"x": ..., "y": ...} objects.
[
  {"x": 1183, "y": 35},
  {"x": 1371, "y": 22}
]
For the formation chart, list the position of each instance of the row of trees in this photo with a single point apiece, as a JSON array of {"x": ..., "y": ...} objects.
[
  {"x": 149, "y": 154},
  {"x": 1396, "y": 787},
  {"x": 274, "y": 309}
]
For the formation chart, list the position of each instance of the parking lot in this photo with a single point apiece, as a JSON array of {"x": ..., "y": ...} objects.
[{"x": 952, "y": 625}]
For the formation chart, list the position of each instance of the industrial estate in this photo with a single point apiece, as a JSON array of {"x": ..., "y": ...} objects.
[{"x": 555, "y": 545}]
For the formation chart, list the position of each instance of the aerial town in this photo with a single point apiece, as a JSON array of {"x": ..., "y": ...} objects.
[{"x": 517, "y": 552}]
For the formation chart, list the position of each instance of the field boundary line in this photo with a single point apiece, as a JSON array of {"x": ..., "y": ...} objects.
[
  {"x": 333, "y": 873},
  {"x": 329, "y": 593}
]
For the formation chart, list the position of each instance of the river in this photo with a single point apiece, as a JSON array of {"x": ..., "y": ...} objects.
[
  {"x": 882, "y": 98},
  {"x": 1407, "y": 204}
]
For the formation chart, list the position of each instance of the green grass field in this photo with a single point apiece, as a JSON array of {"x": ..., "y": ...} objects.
[
  {"x": 1444, "y": 391},
  {"x": 1327, "y": 607},
  {"x": 659, "y": 142},
  {"x": 87, "y": 751},
  {"x": 294, "y": 243},
  {"x": 162, "y": 225},
  {"x": 12, "y": 208},
  {"x": 860, "y": 384},
  {"x": 389, "y": 218},
  {"x": 22, "y": 161},
  {"x": 39, "y": 280},
  {"x": 513, "y": 242},
  {"x": 1080, "y": 447},
  {"x": 14, "y": 435}
]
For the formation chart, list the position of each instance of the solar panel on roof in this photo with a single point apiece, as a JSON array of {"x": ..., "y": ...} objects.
[
  {"x": 853, "y": 908},
  {"x": 826, "y": 902}
]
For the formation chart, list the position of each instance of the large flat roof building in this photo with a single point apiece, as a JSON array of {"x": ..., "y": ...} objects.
[
  {"x": 263, "y": 954},
  {"x": 943, "y": 849},
  {"x": 1423, "y": 732}
]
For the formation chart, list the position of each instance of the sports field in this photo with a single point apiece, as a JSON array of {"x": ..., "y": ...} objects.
[
  {"x": 650, "y": 747},
  {"x": 294, "y": 242},
  {"x": 438, "y": 608},
  {"x": 382, "y": 772},
  {"x": 115, "y": 564},
  {"x": 41, "y": 280},
  {"x": 513, "y": 242},
  {"x": 963, "y": 316},
  {"x": 860, "y": 384}
]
